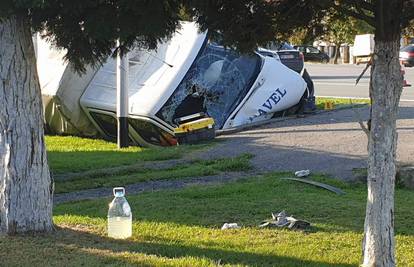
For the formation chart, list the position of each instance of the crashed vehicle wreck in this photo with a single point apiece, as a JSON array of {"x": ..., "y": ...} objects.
[{"x": 185, "y": 75}]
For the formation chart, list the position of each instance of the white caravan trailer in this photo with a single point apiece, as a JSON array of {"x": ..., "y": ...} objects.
[
  {"x": 186, "y": 75},
  {"x": 61, "y": 90}
]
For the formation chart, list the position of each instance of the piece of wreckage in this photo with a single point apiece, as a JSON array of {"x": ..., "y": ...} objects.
[{"x": 186, "y": 75}]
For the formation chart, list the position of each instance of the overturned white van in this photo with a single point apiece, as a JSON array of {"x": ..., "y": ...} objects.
[{"x": 187, "y": 74}]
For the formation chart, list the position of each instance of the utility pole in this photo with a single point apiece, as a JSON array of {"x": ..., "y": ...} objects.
[{"x": 122, "y": 99}]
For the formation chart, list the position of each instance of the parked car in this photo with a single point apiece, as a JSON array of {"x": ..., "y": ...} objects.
[
  {"x": 293, "y": 59},
  {"x": 407, "y": 55},
  {"x": 288, "y": 55},
  {"x": 311, "y": 53}
]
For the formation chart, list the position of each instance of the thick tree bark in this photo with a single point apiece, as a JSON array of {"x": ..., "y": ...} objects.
[
  {"x": 385, "y": 92},
  {"x": 25, "y": 182},
  {"x": 386, "y": 89},
  {"x": 337, "y": 52}
]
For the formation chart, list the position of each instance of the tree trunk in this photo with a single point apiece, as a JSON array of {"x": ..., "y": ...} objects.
[
  {"x": 337, "y": 50},
  {"x": 25, "y": 182},
  {"x": 385, "y": 92},
  {"x": 386, "y": 89}
]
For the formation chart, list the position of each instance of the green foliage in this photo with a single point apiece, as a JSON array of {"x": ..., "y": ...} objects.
[
  {"x": 242, "y": 24},
  {"x": 409, "y": 29},
  {"x": 342, "y": 29},
  {"x": 89, "y": 29}
]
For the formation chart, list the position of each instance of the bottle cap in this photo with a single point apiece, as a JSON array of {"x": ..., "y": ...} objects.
[{"x": 119, "y": 191}]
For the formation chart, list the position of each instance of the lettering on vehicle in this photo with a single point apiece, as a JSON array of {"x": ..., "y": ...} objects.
[{"x": 271, "y": 102}]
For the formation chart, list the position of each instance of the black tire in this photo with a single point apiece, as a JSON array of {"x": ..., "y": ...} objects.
[{"x": 325, "y": 61}]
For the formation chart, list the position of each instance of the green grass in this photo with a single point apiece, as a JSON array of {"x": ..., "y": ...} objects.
[
  {"x": 80, "y": 163},
  {"x": 339, "y": 102},
  {"x": 182, "y": 228},
  {"x": 136, "y": 175},
  {"x": 75, "y": 154}
]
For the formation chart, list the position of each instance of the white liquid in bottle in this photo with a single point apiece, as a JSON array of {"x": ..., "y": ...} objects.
[
  {"x": 119, "y": 216},
  {"x": 120, "y": 227}
]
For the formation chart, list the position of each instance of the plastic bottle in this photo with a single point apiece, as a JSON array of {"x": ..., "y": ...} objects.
[{"x": 119, "y": 216}]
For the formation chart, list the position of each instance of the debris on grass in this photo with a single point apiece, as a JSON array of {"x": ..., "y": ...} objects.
[
  {"x": 302, "y": 173},
  {"x": 230, "y": 226},
  {"x": 318, "y": 184},
  {"x": 283, "y": 220}
]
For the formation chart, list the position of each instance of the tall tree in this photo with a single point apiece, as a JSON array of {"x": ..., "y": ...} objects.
[
  {"x": 88, "y": 29},
  {"x": 388, "y": 18},
  {"x": 25, "y": 185}
]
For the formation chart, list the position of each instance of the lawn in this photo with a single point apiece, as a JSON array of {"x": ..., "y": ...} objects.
[
  {"x": 75, "y": 154},
  {"x": 182, "y": 228},
  {"x": 80, "y": 163},
  {"x": 133, "y": 174}
]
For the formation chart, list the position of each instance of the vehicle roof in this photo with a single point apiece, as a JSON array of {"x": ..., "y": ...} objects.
[{"x": 153, "y": 75}]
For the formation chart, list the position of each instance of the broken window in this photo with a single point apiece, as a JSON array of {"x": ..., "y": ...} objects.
[
  {"x": 151, "y": 133},
  {"x": 215, "y": 84}
]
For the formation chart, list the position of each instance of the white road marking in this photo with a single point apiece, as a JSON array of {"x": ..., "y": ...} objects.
[{"x": 355, "y": 97}]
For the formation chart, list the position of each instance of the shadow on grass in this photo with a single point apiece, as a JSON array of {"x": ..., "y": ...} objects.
[{"x": 98, "y": 247}]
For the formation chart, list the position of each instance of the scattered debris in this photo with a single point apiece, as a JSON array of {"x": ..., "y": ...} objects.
[
  {"x": 302, "y": 173},
  {"x": 322, "y": 185},
  {"x": 230, "y": 226},
  {"x": 283, "y": 220}
]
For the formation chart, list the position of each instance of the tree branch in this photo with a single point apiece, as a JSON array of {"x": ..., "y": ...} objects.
[
  {"x": 408, "y": 14},
  {"x": 362, "y": 16},
  {"x": 365, "y": 128},
  {"x": 359, "y": 4}
]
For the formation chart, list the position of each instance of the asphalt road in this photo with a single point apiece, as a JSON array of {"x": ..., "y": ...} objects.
[
  {"x": 339, "y": 81},
  {"x": 329, "y": 142}
]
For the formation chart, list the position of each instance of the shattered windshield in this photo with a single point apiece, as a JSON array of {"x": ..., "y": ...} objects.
[{"x": 215, "y": 84}]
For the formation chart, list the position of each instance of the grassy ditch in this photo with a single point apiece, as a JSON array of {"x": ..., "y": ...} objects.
[
  {"x": 80, "y": 163},
  {"x": 75, "y": 154},
  {"x": 136, "y": 174}
]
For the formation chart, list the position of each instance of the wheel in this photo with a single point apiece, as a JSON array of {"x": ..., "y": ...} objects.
[{"x": 325, "y": 60}]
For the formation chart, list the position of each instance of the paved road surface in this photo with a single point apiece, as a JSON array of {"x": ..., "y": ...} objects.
[
  {"x": 330, "y": 142},
  {"x": 339, "y": 80}
]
